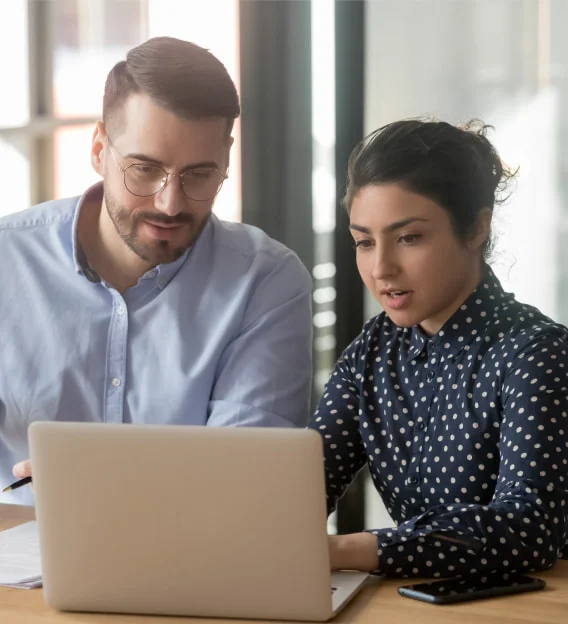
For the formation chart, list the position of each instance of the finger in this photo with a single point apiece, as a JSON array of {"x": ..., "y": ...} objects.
[{"x": 22, "y": 469}]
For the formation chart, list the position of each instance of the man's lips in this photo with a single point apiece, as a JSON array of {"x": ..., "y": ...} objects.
[
  {"x": 165, "y": 225},
  {"x": 163, "y": 231}
]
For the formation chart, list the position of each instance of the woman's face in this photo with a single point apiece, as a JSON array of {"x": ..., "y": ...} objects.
[{"x": 409, "y": 256}]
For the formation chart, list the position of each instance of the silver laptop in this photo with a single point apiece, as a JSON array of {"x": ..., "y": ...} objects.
[{"x": 182, "y": 520}]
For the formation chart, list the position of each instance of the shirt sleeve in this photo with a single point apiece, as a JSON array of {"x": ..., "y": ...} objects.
[
  {"x": 264, "y": 375},
  {"x": 525, "y": 526}
]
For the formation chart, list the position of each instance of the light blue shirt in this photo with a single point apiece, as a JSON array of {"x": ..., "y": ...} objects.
[{"x": 222, "y": 336}]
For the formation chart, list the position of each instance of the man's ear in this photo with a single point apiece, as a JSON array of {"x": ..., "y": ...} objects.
[
  {"x": 482, "y": 230},
  {"x": 97, "y": 148},
  {"x": 228, "y": 151}
]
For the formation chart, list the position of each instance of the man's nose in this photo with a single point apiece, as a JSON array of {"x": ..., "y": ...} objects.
[{"x": 170, "y": 198}]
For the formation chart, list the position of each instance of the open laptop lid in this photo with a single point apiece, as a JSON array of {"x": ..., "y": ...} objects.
[{"x": 181, "y": 520}]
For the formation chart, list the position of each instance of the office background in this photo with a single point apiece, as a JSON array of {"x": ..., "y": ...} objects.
[{"x": 314, "y": 77}]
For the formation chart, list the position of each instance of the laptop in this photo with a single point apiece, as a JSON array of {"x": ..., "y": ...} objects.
[{"x": 185, "y": 520}]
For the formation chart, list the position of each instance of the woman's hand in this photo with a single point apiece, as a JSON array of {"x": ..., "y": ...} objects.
[{"x": 356, "y": 551}]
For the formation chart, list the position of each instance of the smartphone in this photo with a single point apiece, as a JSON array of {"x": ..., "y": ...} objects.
[{"x": 471, "y": 588}]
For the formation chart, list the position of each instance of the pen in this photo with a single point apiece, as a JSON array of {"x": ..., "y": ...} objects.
[{"x": 18, "y": 484}]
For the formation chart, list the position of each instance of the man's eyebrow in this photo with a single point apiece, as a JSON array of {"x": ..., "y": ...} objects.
[
  {"x": 389, "y": 229},
  {"x": 205, "y": 164}
]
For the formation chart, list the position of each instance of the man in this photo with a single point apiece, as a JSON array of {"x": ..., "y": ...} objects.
[{"x": 133, "y": 303}]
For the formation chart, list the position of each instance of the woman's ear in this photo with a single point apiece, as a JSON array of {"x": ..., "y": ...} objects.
[{"x": 482, "y": 229}]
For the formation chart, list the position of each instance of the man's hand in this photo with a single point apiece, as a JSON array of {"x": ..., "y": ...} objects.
[
  {"x": 356, "y": 551},
  {"x": 22, "y": 469}
]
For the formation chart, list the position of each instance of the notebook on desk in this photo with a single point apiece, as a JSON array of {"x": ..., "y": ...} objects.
[{"x": 180, "y": 520}]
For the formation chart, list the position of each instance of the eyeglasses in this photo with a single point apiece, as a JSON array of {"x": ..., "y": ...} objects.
[{"x": 145, "y": 179}]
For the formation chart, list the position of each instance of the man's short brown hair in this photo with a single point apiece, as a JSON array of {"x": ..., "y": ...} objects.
[{"x": 180, "y": 76}]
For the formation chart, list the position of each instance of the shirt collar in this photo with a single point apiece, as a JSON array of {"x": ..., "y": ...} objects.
[
  {"x": 166, "y": 272},
  {"x": 162, "y": 273},
  {"x": 93, "y": 193},
  {"x": 418, "y": 340},
  {"x": 469, "y": 321}
]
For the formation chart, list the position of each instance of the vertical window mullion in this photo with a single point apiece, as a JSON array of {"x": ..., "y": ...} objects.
[{"x": 40, "y": 30}]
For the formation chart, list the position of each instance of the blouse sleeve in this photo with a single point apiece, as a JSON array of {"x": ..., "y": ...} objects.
[
  {"x": 337, "y": 421},
  {"x": 525, "y": 526}
]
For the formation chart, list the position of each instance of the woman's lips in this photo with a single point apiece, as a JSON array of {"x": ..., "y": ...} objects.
[{"x": 397, "y": 299}]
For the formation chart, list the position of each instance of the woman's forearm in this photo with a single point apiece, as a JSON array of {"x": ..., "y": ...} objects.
[{"x": 356, "y": 551}]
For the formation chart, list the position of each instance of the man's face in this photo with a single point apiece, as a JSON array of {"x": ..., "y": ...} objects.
[{"x": 160, "y": 227}]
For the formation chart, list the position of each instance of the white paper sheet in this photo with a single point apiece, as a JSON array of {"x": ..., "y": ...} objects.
[{"x": 20, "y": 564}]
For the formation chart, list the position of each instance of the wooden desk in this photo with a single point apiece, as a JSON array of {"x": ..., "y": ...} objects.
[{"x": 377, "y": 604}]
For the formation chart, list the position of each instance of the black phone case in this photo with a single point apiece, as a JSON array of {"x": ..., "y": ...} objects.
[{"x": 409, "y": 592}]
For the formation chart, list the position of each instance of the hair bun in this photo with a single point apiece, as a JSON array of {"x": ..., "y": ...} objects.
[{"x": 497, "y": 173}]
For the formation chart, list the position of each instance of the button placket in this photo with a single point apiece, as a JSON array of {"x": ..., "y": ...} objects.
[
  {"x": 421, "y": 426},
  {"x": 116, "y": 357}
]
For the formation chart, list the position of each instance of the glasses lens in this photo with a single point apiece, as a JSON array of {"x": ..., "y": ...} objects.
[
  {"x": 202, "y": 184},
  {"x": 144, "y": 180}
]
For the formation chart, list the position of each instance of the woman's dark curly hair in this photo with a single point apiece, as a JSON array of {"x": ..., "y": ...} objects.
[{"x": 455, "y": 166}]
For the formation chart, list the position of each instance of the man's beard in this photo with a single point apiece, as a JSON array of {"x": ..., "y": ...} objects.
[{"x": 126, "y": 225}]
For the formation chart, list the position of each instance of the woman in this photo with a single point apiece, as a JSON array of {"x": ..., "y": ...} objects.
[{"x": 456, "y": 396}]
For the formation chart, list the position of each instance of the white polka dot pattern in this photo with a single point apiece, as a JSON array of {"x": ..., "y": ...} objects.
[{"x": 465, "y": 434}]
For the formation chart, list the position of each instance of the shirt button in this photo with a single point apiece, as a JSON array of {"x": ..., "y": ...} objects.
[
  {"x": 421, "y": 426},
  {"x": 430, "y": 376},
  {"x": 116, "y": 382},
  {"x": 413, "y": 480},
  {"x": 120, "y": 310},
  {"x": 151, "y": 274}
]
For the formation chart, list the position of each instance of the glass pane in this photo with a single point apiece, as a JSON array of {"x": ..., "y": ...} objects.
[
  {"x": 506, "y": 63},
  {"x": 91, "y": 37},
  {"x": 72, "y": 160},
  {"x": 14, "y": 110},
  {"x": 213, "y": 25},
  {"x": 14, "y": 175}
]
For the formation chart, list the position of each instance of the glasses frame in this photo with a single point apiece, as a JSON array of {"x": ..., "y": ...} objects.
[{"x": 167, "y": 176}]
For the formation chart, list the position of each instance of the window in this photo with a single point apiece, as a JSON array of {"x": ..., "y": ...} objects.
[
  {"x": 506, "y": 63},
  {"x": 88, "y": 39},
  {"x": 56, "y": 56},
  {"x": 14, "y": 156}
]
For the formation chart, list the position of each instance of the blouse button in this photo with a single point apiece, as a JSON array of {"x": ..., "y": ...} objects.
[
  {"x": 421, "y": 426},
  {"x": 413, "y": 480},
  {"x": 430, "y": 376}
]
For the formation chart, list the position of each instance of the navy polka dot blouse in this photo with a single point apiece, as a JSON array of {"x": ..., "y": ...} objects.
[{"x": 465, "y": 434}]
